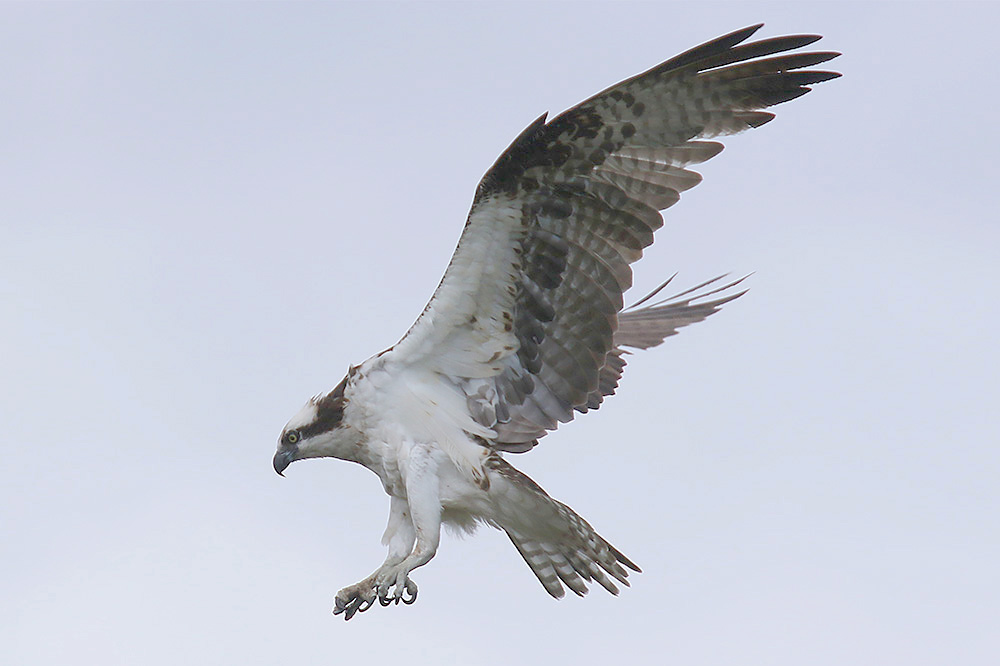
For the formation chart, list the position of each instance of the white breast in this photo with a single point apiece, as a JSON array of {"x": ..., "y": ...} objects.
[{"x": 401, "y": 406}]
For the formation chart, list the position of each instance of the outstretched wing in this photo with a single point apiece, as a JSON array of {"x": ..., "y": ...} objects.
[{"x": 526, "y": 319}]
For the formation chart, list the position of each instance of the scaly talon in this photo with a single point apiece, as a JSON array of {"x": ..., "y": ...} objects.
[
  {"x": 411, "y": 587},
  {"x": 354, "y": 599},
  {"x": 361, "y": 596},
  {"x": 392, "y": 591}
]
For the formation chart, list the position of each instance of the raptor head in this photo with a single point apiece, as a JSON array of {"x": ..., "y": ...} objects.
[{"x": 317, "y": 431}]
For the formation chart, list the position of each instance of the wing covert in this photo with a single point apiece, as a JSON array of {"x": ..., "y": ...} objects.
[{"x": 526, "y": 319}]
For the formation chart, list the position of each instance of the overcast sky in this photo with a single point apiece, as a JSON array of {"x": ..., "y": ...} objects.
[{"x": 208, "y": 211}]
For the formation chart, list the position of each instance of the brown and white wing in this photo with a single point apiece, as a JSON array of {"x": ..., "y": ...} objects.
[{"x": 526, "y": 319}]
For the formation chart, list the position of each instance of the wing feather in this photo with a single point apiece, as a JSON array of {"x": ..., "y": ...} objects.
[{"x": 528, "y": 318}]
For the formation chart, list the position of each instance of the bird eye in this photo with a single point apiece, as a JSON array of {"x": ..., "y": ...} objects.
[{"x": 292, "y": 436}]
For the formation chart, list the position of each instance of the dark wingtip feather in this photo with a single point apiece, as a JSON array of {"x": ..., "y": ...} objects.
[
  {"x": 805, "y": 40},
  {"x": 734, "y": 37},
  {"x": 826, "y": 55},
  {"x": 709, "y": 48},
  {"x": 812, "y": 77},
  {"x": 758, "y": 118},
  {"x": 774, "y": 97}
]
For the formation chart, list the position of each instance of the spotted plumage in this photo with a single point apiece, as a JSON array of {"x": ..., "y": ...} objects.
[{"x": 527, "y": 327}]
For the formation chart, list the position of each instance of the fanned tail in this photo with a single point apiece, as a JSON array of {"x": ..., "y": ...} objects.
[{"x": 562, "y": 548}]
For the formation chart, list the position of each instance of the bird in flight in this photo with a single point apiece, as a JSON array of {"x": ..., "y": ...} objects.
[{"x": 527, "y": 326}]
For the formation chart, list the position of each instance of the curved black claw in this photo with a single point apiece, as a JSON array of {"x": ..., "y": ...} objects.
[
  {"x": 411, "y": 587},
  {"x": 357, "y": 604},
  {"x": 407, "y": 594}
]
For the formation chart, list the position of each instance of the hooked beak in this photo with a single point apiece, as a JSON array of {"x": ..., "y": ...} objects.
[{"x": 283, "y": 458}]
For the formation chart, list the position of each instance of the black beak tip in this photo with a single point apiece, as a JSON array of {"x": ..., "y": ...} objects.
[{"x": 282, "y": 459}]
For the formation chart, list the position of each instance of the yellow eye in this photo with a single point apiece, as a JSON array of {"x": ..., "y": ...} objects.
[{"x": 292, "y": 436}]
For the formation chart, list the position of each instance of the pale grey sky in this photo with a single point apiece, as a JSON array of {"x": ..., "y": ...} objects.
[{"x": 207, "y": 211}]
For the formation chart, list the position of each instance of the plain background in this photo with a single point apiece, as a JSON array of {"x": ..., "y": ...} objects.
[{"x": 208, "y": 211}]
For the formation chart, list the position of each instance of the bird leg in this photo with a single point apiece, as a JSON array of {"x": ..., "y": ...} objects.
[
  {"x": 417, "y": 518},
  {"x": 399, "y": 536},
  {"x": 423, "y": 507}
]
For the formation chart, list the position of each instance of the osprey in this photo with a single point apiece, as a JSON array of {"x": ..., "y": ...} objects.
[{"x": 527, "y": 326}]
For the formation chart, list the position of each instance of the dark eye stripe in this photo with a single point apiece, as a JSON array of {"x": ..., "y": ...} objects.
[{"x": 329, "y": 412}]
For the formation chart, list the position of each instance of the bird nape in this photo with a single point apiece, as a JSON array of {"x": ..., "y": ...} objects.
[{"x": 527, "y": 327}]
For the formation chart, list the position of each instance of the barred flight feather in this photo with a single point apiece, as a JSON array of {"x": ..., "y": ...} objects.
[{"x": 579, "y": 198}]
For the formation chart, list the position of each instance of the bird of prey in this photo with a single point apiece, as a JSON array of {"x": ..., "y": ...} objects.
[{"x": 527, "y": 326}]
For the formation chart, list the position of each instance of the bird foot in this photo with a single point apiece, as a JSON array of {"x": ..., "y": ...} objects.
[
  {"x": 361, "y": 596},
  {"x": 404, "y": 590},
  {"x": 355, "y": 598}
]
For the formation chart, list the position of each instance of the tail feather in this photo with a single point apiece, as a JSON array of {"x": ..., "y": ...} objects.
[
  {"x": 560, "y": 547},
  {"x": 588, "y": 558}
]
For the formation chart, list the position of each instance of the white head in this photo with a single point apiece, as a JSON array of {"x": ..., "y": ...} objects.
[{"x": 317, "y": 431}]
